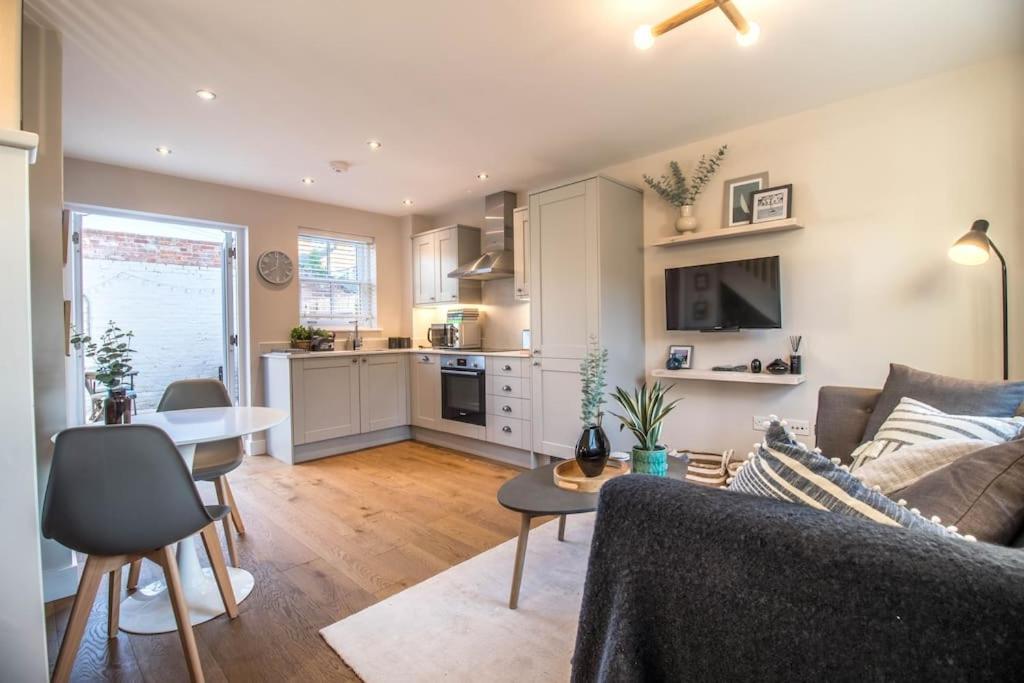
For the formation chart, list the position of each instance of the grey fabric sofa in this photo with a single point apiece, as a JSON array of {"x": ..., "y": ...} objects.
[{"x": 690, "y": 583}]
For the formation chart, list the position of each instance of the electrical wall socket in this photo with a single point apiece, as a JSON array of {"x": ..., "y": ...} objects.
[{"x": 798, "y": 427}]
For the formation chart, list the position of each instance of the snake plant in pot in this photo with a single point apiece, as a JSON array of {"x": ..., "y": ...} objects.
[
  {"x": 593, "y": 447},
  {"x": 644, "y": 411}
]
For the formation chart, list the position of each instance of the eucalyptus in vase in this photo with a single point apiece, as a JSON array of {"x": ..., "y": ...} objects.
[
  {"x": 593, "y": 447},
  {"x": 681, "y": 192},
  {"x": 113, "y": 356}
]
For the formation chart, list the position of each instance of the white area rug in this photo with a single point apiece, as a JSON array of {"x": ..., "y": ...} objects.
[{"x": 456, "y": 626}]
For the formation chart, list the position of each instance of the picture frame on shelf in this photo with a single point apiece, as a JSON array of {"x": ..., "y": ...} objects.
[
  {"x": 737, "y": 206},
  {"x": 684, "y": 354},
  {"x": 772, "y": 204}
]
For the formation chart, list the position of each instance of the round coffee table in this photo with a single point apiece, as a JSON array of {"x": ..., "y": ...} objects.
[{"x": 534, "y": 494}]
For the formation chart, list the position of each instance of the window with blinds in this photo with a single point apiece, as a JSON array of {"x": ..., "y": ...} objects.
[{"x": 337, "y": 281}]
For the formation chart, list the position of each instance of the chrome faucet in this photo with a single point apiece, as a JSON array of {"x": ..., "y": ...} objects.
[{"x": 357, "y": 341}]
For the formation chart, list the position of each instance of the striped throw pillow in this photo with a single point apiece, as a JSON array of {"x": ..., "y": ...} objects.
[
  {"x": 783, "y": 469},
  {"x": 913, "y": 422}
]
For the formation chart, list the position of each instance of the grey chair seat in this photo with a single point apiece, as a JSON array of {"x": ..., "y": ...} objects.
[{"x": 218, "y": 512}]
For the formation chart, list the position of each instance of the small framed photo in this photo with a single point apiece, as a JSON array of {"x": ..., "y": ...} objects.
[
  {"x": 684, "y": 354},
  {"x": 737, "y": 208},
  {"x": 773, "y": 203}
]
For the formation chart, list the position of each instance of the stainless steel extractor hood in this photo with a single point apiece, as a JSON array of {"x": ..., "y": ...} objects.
[{"x": 496, "y": 242}]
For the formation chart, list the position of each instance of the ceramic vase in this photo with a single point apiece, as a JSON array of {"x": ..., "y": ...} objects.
[
  {"x": 650, "y": 462},
  {"x": 686, "y": 222},
  {"x": 117, "y": 407},
  {"x": 592, "y": 451}
]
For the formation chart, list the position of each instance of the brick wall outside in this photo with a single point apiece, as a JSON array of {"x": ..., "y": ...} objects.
[
  {"x": 167, "y": 291},
  {"x": 123, "y": 246}
]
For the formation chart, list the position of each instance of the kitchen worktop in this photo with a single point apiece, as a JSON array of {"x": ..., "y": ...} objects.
[{"x": 515, "y": 353}]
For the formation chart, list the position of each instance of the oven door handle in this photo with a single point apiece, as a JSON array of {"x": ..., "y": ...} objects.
[{"x": 470, "y": 373}]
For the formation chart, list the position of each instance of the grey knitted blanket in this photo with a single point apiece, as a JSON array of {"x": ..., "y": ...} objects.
[{"x": 692, "y": 584}]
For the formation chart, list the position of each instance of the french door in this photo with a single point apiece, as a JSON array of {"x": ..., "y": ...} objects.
[{"x": 175, "y": 284}]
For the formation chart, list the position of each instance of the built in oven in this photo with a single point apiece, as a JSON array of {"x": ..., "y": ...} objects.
[{"x": 463, "y": 389}]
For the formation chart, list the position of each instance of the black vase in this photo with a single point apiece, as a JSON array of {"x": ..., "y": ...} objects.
[
  {"x": 117, "y": 407},
  {"x": 592, "y": 451}
]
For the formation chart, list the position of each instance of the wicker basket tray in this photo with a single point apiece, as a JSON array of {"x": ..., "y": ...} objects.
[{"x": 568, "y": 476}]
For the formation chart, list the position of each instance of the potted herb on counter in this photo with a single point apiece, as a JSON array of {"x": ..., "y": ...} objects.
[
  {"x": 593, "y": 447},
  {"x": 301, "y": 337},
  {"x": 644, "y": 412},
  {"x": 113, "y": 363}
]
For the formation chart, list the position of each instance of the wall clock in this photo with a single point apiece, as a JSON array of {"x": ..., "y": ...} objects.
[{"x": 275, "y": 267}]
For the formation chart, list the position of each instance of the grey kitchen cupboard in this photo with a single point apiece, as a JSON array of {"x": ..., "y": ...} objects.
[
  {"x": 586, "y": 284},
  {"x": 435, "y": 253},
  {"x": 425, "y": 391},
  {"x": 521, "y": 252},
  {"x": 383, "y": 391},
  {"x": 326, "y": 400}
]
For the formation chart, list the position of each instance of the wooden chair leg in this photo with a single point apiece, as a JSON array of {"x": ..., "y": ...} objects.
[
  {"x": 133, "y": 574},
  {"x": 223, "y": 495},
  {"x": 220, "y": 572},
  {"x": 113, "y": 602},
  {"x": 236, "y": 516},
  {"x": 87, "y": 587},
  {"x": 165, "y": 556}
]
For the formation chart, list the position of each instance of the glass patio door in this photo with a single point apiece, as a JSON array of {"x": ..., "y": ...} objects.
[{"x": 173, "y": 284}]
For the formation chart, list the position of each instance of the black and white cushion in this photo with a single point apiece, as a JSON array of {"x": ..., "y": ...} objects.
[
  {"x": 913, "y": 422},
  {"x": 783, "y": 469}
]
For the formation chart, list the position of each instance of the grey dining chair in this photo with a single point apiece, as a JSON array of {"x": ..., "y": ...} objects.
[
  {"x": 118, "y": 494},
  {"x": 212, "y": 460}
]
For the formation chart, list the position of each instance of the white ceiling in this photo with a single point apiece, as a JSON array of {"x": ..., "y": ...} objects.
[{"x": 527, "y": 90}]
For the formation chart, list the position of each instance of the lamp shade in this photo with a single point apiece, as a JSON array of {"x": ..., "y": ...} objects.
[{"x": 973, "y": 248}]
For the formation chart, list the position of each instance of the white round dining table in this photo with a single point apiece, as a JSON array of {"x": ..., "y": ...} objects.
[{"x": 148, "y": 610}]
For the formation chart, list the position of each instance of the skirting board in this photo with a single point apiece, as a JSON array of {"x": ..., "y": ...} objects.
[
  {"x": 492, "y": 451},
  {"x": 347, "y": 444},
  {"x": 256, "y": 447}
]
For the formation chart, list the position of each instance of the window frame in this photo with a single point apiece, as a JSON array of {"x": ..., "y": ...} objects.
[{"x": 334, "y": 324}]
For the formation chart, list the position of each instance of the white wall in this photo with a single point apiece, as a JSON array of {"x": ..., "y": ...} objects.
[{"x": 884, "y": 183}]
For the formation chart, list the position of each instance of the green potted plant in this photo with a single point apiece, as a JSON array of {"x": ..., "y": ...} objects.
[
  {"x": 113, "y": 356},
  {"x": 593, "y": 447},
  {"x": 301, "y": 337},
  {"x": 644, "y": 412},
  {"x": 682, "y": 194}
]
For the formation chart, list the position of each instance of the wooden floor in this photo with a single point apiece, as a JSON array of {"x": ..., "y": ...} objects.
[{"x": 325, "y": 539}]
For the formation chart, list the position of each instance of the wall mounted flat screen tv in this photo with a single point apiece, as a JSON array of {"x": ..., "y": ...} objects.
[{"x": 724, "y": 296}]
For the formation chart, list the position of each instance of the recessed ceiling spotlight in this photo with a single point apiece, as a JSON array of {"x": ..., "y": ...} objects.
[
  {"x": 207, "y": 95},
  {"x": 163, "y": 150},
  {"x": 482, "y": 176},
  {"x": 374, "y": 144},
  {"x": 406, "y": 202},
  {"x": 307, "y": 181}
]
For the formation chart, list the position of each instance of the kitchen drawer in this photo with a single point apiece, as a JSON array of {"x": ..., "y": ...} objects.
[
  {"x": 509, "y": 432},
  {"x": 512, "y": 387},
  {"x": 506, "y": 367},
  {"x": 505, "y": 406}
]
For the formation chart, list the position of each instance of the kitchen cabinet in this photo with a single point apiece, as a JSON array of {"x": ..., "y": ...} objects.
[
  {"x": 383, "y": 391},
  {"x": 586, "y": 284},
  {"x": 521, "y": 252},
  {"x": 325, "y": 399},
  {"x": 425, "y": 391},
  {"x": 436, "y": 253}
]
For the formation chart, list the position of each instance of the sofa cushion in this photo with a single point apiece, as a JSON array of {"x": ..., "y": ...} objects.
[
  {"x": 982, "y": 493},
  {"x": 783, "y": 469},
  {"x": 951, "y": 395},
  {"x": 914, "y": 422},
  {"x": 911, "y": 463}
]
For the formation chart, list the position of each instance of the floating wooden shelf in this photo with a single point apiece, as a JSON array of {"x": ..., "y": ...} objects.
[
  {"x": 726, "y": 233},
  {"x": 723, "y": 376}
]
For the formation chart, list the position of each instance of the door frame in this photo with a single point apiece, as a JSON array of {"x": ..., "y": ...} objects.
[{"x": 240, "y": 290}]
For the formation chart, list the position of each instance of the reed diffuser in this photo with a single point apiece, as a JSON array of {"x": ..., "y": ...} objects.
[{"x": 795, "y": 361}]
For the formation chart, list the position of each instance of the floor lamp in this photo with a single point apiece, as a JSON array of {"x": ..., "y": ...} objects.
[{"x": 972, "y": 250}]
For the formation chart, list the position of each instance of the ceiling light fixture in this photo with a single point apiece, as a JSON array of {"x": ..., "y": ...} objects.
[
  {"x": 307, "y": 181},
  {"x": 482, "y": 176},
  {"x": 207, "y": 95},
  {"x": 406, "y": 202},
  {"x": 374, "y": 144},
  {"x": 747, "y": 32},
  {"x": 163, "y": 151}
]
